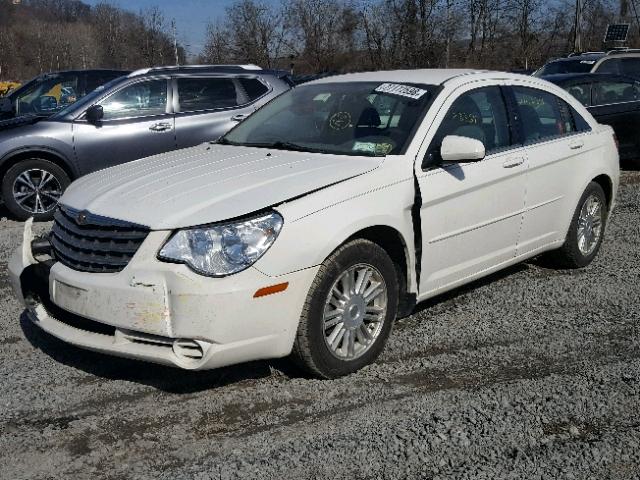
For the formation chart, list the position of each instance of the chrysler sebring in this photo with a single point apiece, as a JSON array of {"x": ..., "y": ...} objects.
[{"x": 311, "y": 226}]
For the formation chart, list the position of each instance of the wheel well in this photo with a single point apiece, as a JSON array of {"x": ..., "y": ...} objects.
[
  {"x": 44, "y": 155},
  {"x": 392, "y": 242},
  {"x": 607, "y": 185}
]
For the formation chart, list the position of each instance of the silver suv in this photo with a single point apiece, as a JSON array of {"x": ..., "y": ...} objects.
[
  {"x": 618, "y": 62},
  {"x": 147, "y": 112}
]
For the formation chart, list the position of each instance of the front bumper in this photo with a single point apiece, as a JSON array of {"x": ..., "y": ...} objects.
[{"x": 161, "y": 312}]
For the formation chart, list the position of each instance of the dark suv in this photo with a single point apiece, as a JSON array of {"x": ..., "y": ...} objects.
[
  {"x": 612, "y": 100},
  {"x": 49, "y": 93},
  {"x": 148, "y": 112}
]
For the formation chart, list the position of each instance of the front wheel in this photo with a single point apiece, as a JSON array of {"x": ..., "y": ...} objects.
[
  {"x": 349, "y": 311},
  {"x": 32, "y": 188},
  {"x": 586, "y": 231}
]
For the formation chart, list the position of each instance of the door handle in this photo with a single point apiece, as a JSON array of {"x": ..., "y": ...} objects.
[
  {"x": 576, "y": 144},
  {"x": 239, "y": 117},
  {"x": 513, "y": 162},
  {"x": 160, "y": 127}
]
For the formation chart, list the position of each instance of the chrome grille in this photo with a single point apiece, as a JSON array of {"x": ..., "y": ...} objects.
[{"x": 91, "y": 243}]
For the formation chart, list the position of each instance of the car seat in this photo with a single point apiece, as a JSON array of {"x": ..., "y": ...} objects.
[{"x": 531, "y": 125}]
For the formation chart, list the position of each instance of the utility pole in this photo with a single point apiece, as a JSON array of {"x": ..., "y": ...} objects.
[
  {"x": 577, "y": 34},
  {"x": 447, "y": 49},
  {"x": 175, "y": 41},
  {"x": 624, "y": 9}
]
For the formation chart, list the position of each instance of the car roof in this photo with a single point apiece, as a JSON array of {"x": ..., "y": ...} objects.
[
  {"x": 560, "y": 78},
  {"x": 589, "y": 57},
  {"x": 191, "y": 69},
  {"x": 88, "y": 70},
  {"x": 424, "y": 76}
]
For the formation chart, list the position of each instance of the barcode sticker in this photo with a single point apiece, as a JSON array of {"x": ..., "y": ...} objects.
[{"x": 402, "y": 90}]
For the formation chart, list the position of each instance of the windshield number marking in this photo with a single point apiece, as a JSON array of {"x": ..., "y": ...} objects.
[{"x": 402, "y": 90}]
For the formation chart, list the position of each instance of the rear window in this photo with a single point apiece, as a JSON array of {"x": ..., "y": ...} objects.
[
  {"x": 566, "y": 66},
  {"x": 253, "y": 87},
  {"x": 206, "y": 94}
]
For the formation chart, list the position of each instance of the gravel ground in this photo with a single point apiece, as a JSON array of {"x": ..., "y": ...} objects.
[{"x": 531, "y": 373}]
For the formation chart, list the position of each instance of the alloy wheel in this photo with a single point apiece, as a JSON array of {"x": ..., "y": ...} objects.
[
  {"x": 589, "y": 225},
  {"x": 354, "y": 311},
  {"x": 37, "y": 191}
]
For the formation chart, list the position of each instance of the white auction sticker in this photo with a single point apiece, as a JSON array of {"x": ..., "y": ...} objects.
[{"x": 403, "y": 90}]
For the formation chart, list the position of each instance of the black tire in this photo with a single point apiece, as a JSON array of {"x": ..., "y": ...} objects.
[
  {"x": 23, "y": 212},
  {"x": 570, "y": 255},
  {"x": 310, "y": 350}
]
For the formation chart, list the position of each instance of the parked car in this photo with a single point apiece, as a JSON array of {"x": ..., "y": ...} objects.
[
  {"x": 49, "y": 93},
  {"x": 620, "y": 62},
  {"x": 393, "y": 187},
  {"x": 612, "y": 100},
  {"x": 149, "y": 111}
]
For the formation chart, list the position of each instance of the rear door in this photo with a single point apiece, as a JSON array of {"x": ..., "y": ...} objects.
[
  {"x": 555, "y": 143},
  {"x": 137, "y": 123},
  {"x": 209, "y": 106},
  {"x": 616, "y": 102}
]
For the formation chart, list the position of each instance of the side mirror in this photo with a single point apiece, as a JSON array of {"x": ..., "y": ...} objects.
[
  {"x": 461, "y": 149},
  {"x": 94, "y": 114}
]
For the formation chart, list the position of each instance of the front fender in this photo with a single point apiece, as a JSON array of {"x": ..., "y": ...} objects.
[{"x": 307, "y": 241}]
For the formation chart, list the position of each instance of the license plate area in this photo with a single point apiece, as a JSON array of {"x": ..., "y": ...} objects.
[{"x": 70, "y": 297}]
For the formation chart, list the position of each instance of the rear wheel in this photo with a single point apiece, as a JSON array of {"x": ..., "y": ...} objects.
[
  {"x": 349, "y": 311},
  {"x": 32, "y": 188},
  {"x": 586, "y": 231}
]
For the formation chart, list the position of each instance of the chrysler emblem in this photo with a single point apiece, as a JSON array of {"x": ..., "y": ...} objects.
[{"x": 82, "y": 218}]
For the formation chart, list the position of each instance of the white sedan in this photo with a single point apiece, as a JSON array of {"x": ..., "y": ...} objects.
[{"x": 315, "y": 223}]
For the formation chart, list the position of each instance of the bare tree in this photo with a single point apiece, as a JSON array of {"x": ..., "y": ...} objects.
[{"x": 321, "y": 32}]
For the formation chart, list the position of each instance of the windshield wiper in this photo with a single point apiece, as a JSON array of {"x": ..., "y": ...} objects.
[
  {"x": 223, "y": 141},
  {"x": 294, "y": 147}
]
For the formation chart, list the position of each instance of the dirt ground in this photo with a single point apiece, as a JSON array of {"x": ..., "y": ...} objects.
[{"x": 530, "y": 373}]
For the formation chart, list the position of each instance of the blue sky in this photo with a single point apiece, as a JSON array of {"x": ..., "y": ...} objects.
[{"x": 191, "y": 16}]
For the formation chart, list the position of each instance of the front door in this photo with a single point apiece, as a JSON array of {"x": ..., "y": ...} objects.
[
  {"x": 471, "y": 212},
  {"x": 136, "y": 124}
]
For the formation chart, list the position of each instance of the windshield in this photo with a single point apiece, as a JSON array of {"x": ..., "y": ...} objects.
[
  {"x": 46, "y": 95},
  {"x": 363, "y": 118},
  {"x": 566, "y": 66}
]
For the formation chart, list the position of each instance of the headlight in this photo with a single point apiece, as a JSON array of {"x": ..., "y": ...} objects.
[{"x": 220, "y": 250}]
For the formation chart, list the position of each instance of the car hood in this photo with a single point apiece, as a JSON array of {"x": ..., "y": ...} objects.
[
  {"x": 208, "y": 183},
  {"x": 16, "y": 122}
]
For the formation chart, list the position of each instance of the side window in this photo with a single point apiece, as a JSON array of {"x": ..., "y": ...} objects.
[
  {"x": 612, "y": 65},
  {"x": 580, "y": 123},
  {"x": 480, "y": 114},
  {"x": 541, "y": 114},
  {"x": 138, "y": 100},
  {"x": 621, "y": 66},
  {"x": 582, "y": 92},
  {"x": 608, "y": 92},
  {"x": 631, "y": 66},
  {"x": 206, "y": 93},
  {"x": 253, "y": 87}
]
